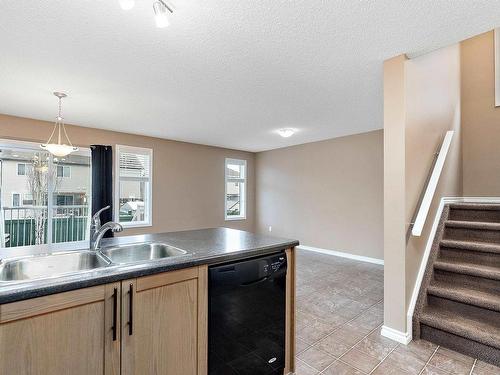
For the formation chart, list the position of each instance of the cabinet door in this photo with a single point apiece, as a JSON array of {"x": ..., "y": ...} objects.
[
  {"x": 63, "y": 333},
  {"x": 164, "y": 324}
]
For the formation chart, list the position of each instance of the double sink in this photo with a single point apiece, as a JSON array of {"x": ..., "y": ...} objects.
[{"x": 78, "y": 261}]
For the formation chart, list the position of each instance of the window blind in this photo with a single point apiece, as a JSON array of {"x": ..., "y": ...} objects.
[{"x": 135, "y": 165}]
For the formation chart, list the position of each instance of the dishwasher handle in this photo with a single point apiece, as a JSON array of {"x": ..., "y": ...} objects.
[{"x": 255, "y": 282}]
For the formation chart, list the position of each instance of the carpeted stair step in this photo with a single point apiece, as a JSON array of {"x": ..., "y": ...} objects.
[
  {"x": 468, "y": 206},
  {"x": 472, "y": 225},
  {"x": 462, "y": 324},
  {"x": 467, "y": 268},
  {"x": 468, "y": 294},
  {"x": 467, "y": 281},
  {"x": 477, "y": 258},
  {"x": 472, "y": 246},
  {"x": 475, "y": 212},
  {"x": 472, "y": 230}
]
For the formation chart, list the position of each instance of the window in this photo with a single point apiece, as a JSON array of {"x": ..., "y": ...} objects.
[
  {"x": 21, "y": 169},
  {"x": 30, "y": 182},
  {"x": 16, "y": 197},
  {"x": 27, "y": 199},
  {"x": 63, "y": 171},
  {"x": 235, "y": 181},
  {"x": 133, "y": 194},
  {"x": 64, "y": 200}
]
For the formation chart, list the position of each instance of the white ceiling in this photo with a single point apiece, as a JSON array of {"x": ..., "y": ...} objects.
[{"x": 225, "y": 73}]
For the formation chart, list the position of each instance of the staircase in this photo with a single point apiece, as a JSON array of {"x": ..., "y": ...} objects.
[{"x": 458, "y": 305}]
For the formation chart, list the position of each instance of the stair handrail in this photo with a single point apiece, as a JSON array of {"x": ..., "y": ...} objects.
[{"x": 420, "y": 216}]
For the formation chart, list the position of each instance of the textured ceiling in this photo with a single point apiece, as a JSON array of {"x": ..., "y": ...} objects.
[{"x": 226, "y": 73}]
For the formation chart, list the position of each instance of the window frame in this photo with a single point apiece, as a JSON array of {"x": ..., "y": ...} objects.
[
  {"x": 24, "y": 199},
  {"x": 148, "y": 210},
  {"x": 62, "y": 166},
  {"x": 243, "y": 194},
  {"x": 19, "y": 199},
  {"x": 17, "y": 169},
  {"x": 52, "y": 246}
]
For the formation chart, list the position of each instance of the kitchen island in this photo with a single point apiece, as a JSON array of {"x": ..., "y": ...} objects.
[{"x": 148, "y": 316}]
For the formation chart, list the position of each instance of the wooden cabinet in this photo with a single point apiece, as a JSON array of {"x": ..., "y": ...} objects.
[
  {"x": 61, "y": 333},
  {"x": 164, "y": 327}
]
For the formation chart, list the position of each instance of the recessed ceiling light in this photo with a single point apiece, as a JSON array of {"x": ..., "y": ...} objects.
[
  {"x": 286, "y": 132},
  {"x": 127, "y": 4}
]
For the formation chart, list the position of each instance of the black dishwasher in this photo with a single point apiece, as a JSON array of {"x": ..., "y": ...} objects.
[{"x": 247, "y": 301}]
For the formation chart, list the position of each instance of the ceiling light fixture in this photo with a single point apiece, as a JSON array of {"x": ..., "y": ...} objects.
[
  {"x": 161, "y": 10},
  {"x": 60, "y": 148},
  {"x": 286, "y": 132},
  {"x": 127, "y": 4}
]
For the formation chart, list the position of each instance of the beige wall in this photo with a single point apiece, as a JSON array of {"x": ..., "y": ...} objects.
[
  {"x": 480, "y": 118},
  {"x": 421, "y": 102},
  {"x": 327, "y": 194},
  {"x": 394, "y": 193},
  {"x": 432, "y": 108},
  {"x": 188, "y": 179}
]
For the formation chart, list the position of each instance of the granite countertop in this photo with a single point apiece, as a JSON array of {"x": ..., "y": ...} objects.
[{"x": 204, "y": 246}]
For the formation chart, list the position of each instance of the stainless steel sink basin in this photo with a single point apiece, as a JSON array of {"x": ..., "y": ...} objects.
[
  {"x": 141, "y": 252},
  {"x": 45, "y": 266}
]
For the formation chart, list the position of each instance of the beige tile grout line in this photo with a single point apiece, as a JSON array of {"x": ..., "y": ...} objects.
[
  {"x": 428, "y": 361},
  {"x": 473, "y": 366},
  {"x": 352, "y": 347},
  {"x": 335, "y": 330},
  {"x": 383, "y": 359},
  {"x": 305, "y": 364},
  {"x": 338, "y": 327}
]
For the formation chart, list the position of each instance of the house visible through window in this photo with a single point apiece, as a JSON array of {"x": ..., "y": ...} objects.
[
  {"x": 235, "y": 181},
  {"x": 30, "y": 176},
  {"x": 134, "y": 185}
]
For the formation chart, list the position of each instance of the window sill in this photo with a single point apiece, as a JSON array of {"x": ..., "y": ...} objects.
[
  {"x": 136, "y": 225},
  {"x": 235, "y": 218}
]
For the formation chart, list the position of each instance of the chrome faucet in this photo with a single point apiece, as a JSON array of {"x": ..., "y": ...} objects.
[{"x": 97, "y": 230}]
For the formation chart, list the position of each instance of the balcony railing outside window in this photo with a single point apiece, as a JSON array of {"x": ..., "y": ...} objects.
[{"x": 68, "y": 224}]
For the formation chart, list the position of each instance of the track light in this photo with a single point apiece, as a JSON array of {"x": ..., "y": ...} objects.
[
  {"x": 127, "y": 4},
  {"x": 161, "y": 9}
]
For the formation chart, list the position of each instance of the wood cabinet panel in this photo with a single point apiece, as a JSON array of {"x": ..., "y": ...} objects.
[
  {"x": 58, "y": 334},
  {"x": 169, "y": 325},
  {"x": 47, "y": 304}
]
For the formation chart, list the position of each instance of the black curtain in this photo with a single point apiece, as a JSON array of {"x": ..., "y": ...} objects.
[{"x": 102, "y": 182}]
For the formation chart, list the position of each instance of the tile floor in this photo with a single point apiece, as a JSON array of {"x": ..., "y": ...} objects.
[{"x": 339, "y": 315}]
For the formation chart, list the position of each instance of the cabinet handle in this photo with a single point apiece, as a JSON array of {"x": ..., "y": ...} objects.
[
  {"x": 115, "y": 312},
  {"x": 130, "y": 309}
]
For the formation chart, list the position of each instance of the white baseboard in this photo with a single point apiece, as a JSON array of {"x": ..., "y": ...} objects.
[
  {"x": 398, "y": 336},
  {"x": 428, "y": 247},
  {"x": 342, "y": 254}
]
